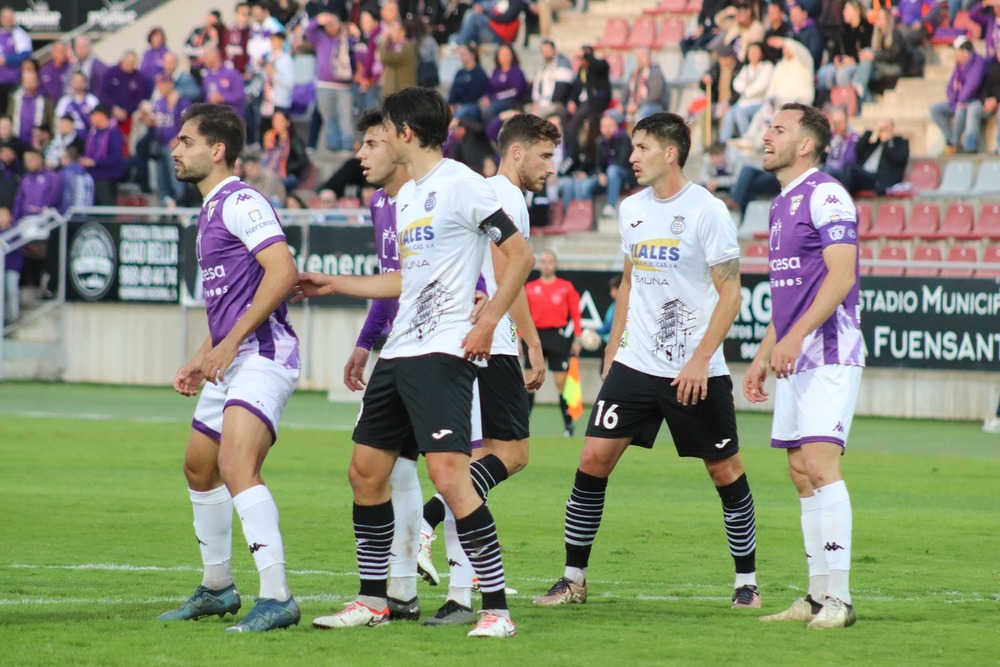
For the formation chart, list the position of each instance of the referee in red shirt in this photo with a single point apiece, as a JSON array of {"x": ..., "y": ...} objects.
[{"x": 554, "y": 302}]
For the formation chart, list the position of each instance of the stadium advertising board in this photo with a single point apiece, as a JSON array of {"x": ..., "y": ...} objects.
[
  {"x": 53, "y": 16},
  {"x": 930, "y": 323},
  {"x": 135, "y": 262}
]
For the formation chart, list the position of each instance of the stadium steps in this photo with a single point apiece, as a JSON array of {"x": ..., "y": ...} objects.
[{"x": 32, "y": 350}]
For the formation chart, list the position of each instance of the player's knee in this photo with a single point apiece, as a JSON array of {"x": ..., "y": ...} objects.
[
  {"x": 597, "y": 461},
  {"x": 515, "y": 459}
]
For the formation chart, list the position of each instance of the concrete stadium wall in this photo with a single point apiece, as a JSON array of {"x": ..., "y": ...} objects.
[{"x": 139, "y": 344}]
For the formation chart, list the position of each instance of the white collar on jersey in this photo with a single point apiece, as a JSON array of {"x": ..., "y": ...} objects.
[
  {"x": 218, "y": 187},
  {"x": 794, "y": 184}
]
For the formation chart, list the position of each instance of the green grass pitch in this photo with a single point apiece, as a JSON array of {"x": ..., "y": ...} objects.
[{"x": 97, "y": 541}]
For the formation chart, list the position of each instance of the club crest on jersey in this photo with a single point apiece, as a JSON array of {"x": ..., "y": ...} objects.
[
  {"x": 796, "y": 202},
  {"x": 836, "y": 233},
  {"x": 678, "y": 226},
  {"x": 430, "y": 202},
  {"x": 211, "y": 207}
]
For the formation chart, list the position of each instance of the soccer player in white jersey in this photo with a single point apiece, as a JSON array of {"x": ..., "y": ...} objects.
[
  {"x": 527, "y": 144},
  {"x": 250, "y": 361},
  {"x": 419, "y": 396},
  {"x": 679, "y": 295},
  {"x": 815, "y": 349}
]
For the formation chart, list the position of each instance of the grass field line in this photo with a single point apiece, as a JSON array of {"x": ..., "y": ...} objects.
[{"x": 153, "y": 419}]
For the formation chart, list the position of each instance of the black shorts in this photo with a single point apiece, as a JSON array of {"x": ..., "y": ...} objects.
[
  {"x": 503, "y": 400},
  {"x": 633, "y": 405},
  {"x": 415, "y": 405},
  {"x": 555, "y": 349}
]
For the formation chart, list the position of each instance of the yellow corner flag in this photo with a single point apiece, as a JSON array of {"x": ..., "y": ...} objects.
[{"x": 572, "y": 393}]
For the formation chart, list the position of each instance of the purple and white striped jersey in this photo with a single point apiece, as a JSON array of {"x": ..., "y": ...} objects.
[
  {"x": 236, "y": 223},
  {"x": 812, "y": 213}
]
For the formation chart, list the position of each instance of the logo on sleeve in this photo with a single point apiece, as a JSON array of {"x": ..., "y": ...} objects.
[
  {"x": 837, "y": 233},
  {"x": 243, "y": 196},
  {"x": 831, "y": 199}
]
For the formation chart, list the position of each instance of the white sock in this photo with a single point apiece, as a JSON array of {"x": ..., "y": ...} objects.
[
  {"x": 213, "y": 526},
  {"x": 459, "y": 568},
  {"x": 745, "y": 579},
  {"x": 407, "y": 506},
  {"x": 576, "y": 574},
  {"x": 812, "y": 535},
  {"x": 259, "y": 516},
  {"x": 425, "y": 527},
  {"x": 836, "y": 519}
]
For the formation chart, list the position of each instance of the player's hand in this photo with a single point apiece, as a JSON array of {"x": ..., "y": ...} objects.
[
  {"x": 478, "y": 341},
  {"x": 310, "y": 285},
  {"x": 609, "y": 358},
  {"x": 753, "y": 382},
  {"x": 354, "y": 370},
  {"x": 218, "y": 359},
  {"x": 784, "y": 355},
  {"x": 188, "y": 379},
  {"x": 534, "y": 376},
  {"x": 692, "y": 382},
  {"x": 479, "y": 305}
]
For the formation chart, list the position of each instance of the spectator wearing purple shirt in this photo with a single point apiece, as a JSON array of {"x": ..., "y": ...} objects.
[
  {"x": 102, "y": 155},
  {"x": 54, "y": 75},
  {"x": 152, "y": 59},
  {"x": 78, "y": 103},
  {"x": 123, "y": 88},
  {"x": 917, "y": 19},
  {"x": 221, "y": 83},
  {"x": 88, "y": 63},
  {"x": 843, "y": 145},
  {"x": 164, "y": 122},
  {"x": 15, "y": 48},
  {"x": 28, "y": 106},
  {"x": 336, "y": 67},
  {"x": 507, "y": 88},
  {"x": 961, "y": 129},
  {"x": 984, "y": 13}
]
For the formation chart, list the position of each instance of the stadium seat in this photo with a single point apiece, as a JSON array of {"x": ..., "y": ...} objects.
[
  {"x": 692, "y": 67},
  {"x": 924, "y": 221},
  {"x": 755, "y": 220},
  {"x": 643, "y": 33},
  {"x": 963, "y": 257},
  {"x": 755, "y": 258},
  {"x": 891, "y": 260},
  {"x": 615, "y": 35},
  {"x": 990, "y": 266},
  {"x": 579, "y": 217},
  {"x": 988, "y": 224},
  {"x": 671, "y": 33},
  {"x": 889, "y": 222},
  {"x": 693, "y": 7},
  {"x": 866, "y": 256},
  {"x": 674, "y": 6},
  {"x": 864, "y": 218},
  {"x": 987, "y": 178},
  {"x": 349, "y": 202},
  {"x": 928, "y": 261},
  {"x": 616, "y": 66},
  {"x": 957, "y": 223},
  {"x": 956, "y": 180},
  {"x": 845, "y": 96},
  {"x": 925, "y": 175},
  {"x": 670, "y": 63}
]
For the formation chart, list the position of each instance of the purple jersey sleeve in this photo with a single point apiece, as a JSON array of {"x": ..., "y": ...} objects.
[{"x": 378, "y": 323}]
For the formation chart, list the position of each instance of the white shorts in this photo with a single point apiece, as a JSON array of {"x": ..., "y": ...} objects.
[
  {"x": 816, "y": 405},
  {"x": 260, "y": 385}
]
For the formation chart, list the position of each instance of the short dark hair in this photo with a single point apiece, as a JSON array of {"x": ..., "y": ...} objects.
[
  {"x": 423, "y": 110},
  {"x": 219, "y": 124},
  {"x": 369, "y": 118},
  {"x": 668, "y": 128},
  {"x": 717, "y": 148},
  {"x": 814, "y": 122},
  {"x": 527, "y": 129}
]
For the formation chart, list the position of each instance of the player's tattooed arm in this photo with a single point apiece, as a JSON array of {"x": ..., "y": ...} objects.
[{"x": 728, "y": 270}]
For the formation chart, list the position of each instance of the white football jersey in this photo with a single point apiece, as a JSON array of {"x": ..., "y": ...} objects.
[
  {"x": 672, "y": 244},
  {"x": 512, "y": 200},
  {"x": 441, "y": 247}
]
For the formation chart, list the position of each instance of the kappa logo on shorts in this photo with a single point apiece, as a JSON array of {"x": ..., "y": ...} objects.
[
  {"x": 839, "y": 428},
  {"x": 437, "y": 435},
  {"x": 720, "y": 445}
]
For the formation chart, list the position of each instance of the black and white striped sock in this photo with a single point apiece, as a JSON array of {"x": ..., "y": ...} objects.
[
  {"x": 741, "y": 524},
  {"x": 478, "y": 535},
  {"x": 373, "y": 529},
  {"x": 584, "y": 511},
  {"x": 487, "y": 472}
]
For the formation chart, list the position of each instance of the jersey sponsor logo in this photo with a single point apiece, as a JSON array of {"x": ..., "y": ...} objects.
[
  {"x": 255, "y": 215},
  {"x": 677, "y": 226},
  {"x": 416, "y": 237},
  {"x": 210, "y": 273},
  {"x": 655, "y": 254},
  {"x": 93, "y": 261},
  {"x": 785, "y": 264},
  {"x": 250, "y": 231},
  {"x": 430, "y": 202},
  {"x": 437, "y": 435},
  {"x": 837, "y": 232},
  {"x": 796, "y": 202},
  {"x": 243, "y": 196}
]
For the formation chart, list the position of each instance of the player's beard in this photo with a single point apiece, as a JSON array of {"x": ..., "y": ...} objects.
[{"x": 191, "y": 173}]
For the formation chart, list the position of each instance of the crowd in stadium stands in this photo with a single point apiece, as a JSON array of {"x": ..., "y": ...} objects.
[{"x": 97, "y": 125}]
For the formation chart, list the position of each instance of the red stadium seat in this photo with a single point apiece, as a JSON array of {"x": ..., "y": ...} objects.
[
  {"x": 615, "y": 35},
  {"x": 924, "y": 221},
  {"x": 349, "y": 202},
  {"x": 671, "y": 33},
  {"x": 925, "y": 175},
  {"x": 891, "y": 261},
  {"x": 889, "y": 221},
  {"x": 961, "y": 254},
  {"x": 755, "y": 258},
  {"x": 578, "y": 218},
  {"x": 957, "y": 222},
  {"x": 643, "y": 33},
  {"x": 988, "y": 225},
  {"x": 616, "y": 65},
  {"x": 693, "y": 7},
  {"x": 929, "y": 256},
  {"x": 866, "y": 255},
  {"x": 864, "y": 218},
  {"x": 990, "y": 268},
  {"x": 847, "y": 97}
]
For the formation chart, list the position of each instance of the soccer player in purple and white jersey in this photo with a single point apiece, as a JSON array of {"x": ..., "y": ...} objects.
[
  {"x": 814, "y": 347},
  {"x": 251, "y": 362}
]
